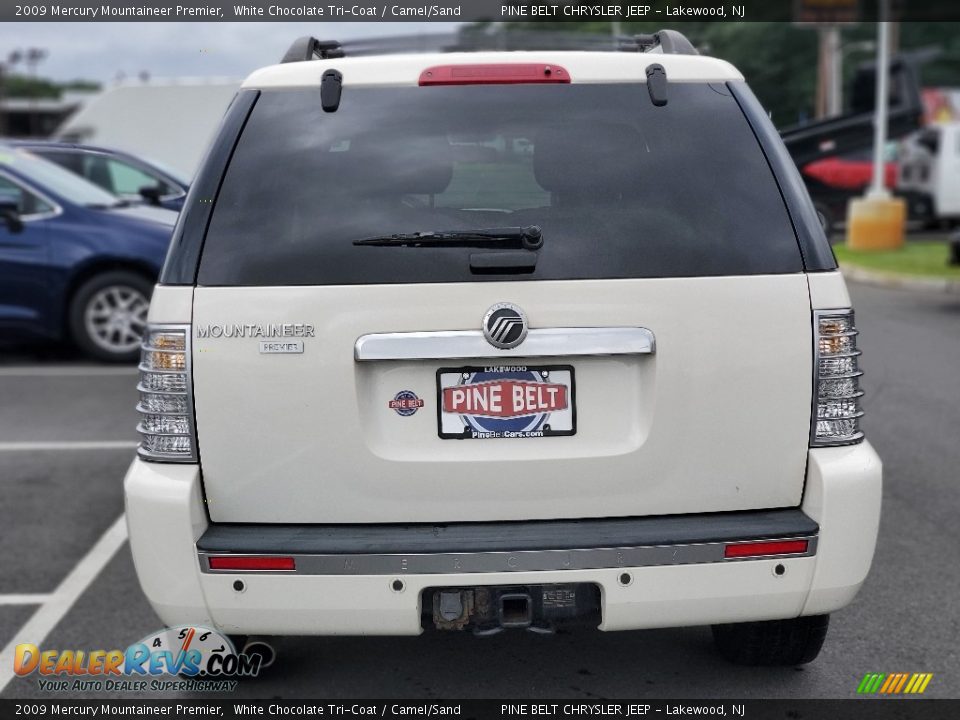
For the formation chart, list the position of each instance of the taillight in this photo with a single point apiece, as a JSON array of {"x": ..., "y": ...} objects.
[
  {"x": 494, "y": 74},
  {"x": 252, "y": 562},
  {"x": 166, "y": 396},
  {"x": 766, "y": 547},
  {"x": 836, "y": 407}
]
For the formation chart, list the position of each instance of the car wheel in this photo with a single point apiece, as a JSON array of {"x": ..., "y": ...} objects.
[
  {"x": 773, "y": 642},
  {"x": 108, "y": 315}
]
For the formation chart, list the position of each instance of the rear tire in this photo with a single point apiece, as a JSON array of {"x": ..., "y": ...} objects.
[
  {"x": 108, "y": 315},
  {"x": 772, "y": 642},
  {"x": 238, "y": 642}
]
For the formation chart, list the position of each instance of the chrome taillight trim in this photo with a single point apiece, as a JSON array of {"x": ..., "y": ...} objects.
[
  {"x": 839, "y": 355},
  {"x": 855, "y": 416},
  {"x": 844, "y": 376},
  {"x": 852, "y": 440},
  {"x": 815, "y": 440},
  {"x": 158, "y": 458},
  {"x": 147, "y": 411},
  {"x": 142, "y": 388},
  {"x": 160, "y": 371},
  {"x": 187, "y": 373},
  {"x": 143, "y": 431},
  {"x": 858, "y": 394}
]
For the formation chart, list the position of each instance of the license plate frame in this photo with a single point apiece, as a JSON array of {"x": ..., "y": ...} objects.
[{"x": 485, "y": 427}]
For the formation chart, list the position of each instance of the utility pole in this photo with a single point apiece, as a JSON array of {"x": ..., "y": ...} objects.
[
  {"x": 877, "y": 221},
  {"x": 835, "y": 70},
  {"x": 827, "y": 18},
  {"x": 829, "y": 101}
]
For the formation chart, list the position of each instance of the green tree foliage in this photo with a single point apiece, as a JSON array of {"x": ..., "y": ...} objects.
[
  {"x": 24, "y": 86},
  {"x": 27, "y": 87}
]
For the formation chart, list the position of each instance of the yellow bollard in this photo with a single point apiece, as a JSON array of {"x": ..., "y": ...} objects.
[{"x": 876, "y": 223}]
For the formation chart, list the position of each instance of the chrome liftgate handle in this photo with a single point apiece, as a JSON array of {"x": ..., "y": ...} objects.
[{"x": 541, "y": 342}]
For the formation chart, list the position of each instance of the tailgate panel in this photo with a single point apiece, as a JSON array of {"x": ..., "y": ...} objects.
[{"x": 716, "y": 419}]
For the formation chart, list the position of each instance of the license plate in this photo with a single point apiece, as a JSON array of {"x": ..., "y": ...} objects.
[{"x": 505, "y": 401}]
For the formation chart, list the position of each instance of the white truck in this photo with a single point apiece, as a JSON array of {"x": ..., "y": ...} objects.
[{"x": 928, "y": 174}]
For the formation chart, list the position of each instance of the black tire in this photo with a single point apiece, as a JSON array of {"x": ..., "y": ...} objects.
[
  {"x": 87, "y": 301},
  {"x": 772, "y": 642},
  {"x": 238, "y": 642}
]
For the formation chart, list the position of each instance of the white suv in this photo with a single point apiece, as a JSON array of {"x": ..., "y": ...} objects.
[{"x": 502, "y": 340}]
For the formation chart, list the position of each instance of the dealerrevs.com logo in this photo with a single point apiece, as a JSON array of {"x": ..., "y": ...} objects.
[{"x": 203, "y": 659}]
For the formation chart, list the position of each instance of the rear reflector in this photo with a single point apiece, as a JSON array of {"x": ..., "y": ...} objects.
[
  {"x": 499, "y": 74},
  {"x": 251, "y": 562},
  {"x": 775, "y": 547}
]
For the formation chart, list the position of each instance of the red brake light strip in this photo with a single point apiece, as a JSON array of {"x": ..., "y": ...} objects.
[
  {"x": 772, "y": 547},
  {"x": 251, "y": 562},
  {"x": 494, "y": 74}
]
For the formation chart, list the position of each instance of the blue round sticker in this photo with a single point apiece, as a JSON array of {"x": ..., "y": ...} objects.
[{"x": 406, "y": 403}]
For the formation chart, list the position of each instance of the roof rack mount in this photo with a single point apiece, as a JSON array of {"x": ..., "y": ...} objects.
[
  {"x": 670, "y": 42},
  {"x": 308, "y": 48}
]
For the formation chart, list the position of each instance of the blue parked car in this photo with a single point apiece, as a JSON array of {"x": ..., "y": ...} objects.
[
  {"x": 75, "y": 261},
  {"x": 118, "y": 172}
]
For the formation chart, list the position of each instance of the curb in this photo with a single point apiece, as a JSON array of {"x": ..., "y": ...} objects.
[{"x": 902, "y": 282}]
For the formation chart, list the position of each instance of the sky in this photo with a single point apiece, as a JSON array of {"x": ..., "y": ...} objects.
[{"x": 101, "y": 51}]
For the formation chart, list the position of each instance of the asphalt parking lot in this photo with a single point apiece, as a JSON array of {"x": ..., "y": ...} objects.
[{"x": 67, "y": 580}]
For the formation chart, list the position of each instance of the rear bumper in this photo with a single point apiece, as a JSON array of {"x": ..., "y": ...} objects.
[{"x": 344, "y": 577}]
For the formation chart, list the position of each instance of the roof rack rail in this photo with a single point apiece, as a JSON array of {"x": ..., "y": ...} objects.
[
  {"x": 308, "y": 48},
  {"x": 669, "y": 42}
]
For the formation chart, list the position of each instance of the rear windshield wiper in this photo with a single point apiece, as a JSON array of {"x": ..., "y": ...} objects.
[{"x": 528, "y": 238}]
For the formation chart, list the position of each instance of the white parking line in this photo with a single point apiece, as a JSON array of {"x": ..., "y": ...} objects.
[
  {"x": 64, "y": 370},
  {"x": 62, "y": 599},
  {"x": 79, "y": 445},
  {"x": 24, "y": 599}
]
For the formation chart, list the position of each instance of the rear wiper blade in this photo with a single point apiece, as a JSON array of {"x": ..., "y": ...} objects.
[{"x": 528, "y": 238}]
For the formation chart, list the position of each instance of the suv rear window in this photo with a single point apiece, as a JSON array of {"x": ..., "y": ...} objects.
[{"x": 620, "y": 188}]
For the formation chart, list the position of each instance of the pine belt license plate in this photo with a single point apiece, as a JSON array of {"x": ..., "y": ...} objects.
[{"x": 506, "y": 401}]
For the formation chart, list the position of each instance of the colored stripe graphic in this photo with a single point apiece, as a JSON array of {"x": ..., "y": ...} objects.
[
  {"x": 900, "y": 683},
  {"x": 922, "y": 684},
  {"x": 871, "y": 683},
  {"x": 888, "y": 683},
  {"x": 894, "y": 683}
]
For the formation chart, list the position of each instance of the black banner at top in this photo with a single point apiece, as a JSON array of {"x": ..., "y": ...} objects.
[{"x": 666, "y": 11}]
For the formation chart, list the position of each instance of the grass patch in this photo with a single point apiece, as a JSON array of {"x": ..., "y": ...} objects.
[{"x": 921, "y": 258}]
